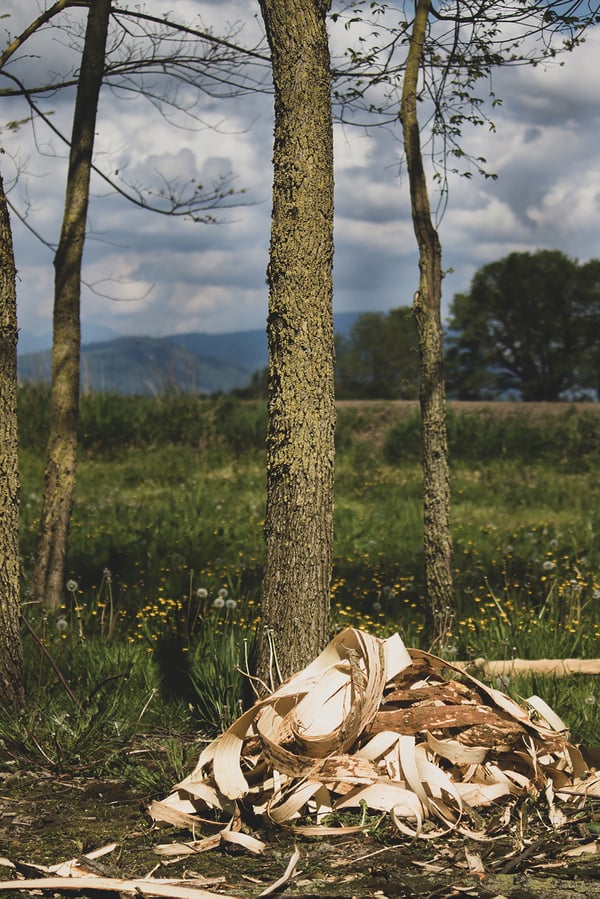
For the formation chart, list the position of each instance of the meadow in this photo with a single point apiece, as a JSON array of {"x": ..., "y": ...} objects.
[{"x": 164, "y": 567}]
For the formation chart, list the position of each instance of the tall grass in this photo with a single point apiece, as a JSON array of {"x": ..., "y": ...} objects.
[
  {"x": 570, "y": 441},
  {"x": 171, "y": 496}
]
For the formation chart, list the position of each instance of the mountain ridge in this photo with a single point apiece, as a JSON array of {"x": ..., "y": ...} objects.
[{"x": 193, "y": 362}]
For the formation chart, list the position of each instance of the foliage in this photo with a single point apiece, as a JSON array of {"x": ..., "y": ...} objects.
[
  {"x": 379, "y": 359},
  {"x": 463, "y": 44},
  {"x": 491, "y": 434},
  {"x": 86, "y": 700},
  {"x": 170, "y": 519},
  {"x": 105, "y": 691},
  {"x": 110, "y": 423},
  {"x": 528, "y": 325},
  {"x": 201, "y": 647}
]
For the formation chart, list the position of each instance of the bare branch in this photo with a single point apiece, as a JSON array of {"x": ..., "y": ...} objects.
[
  {"x": 207, "y": 36},
  {"x": 43, "y": 19},
  {"x": 465, "y": 42},
  {"x": 172, "y": 201}
]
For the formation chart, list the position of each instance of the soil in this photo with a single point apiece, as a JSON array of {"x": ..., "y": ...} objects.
[
  {"x": 499, "y": 407},
  {"x": 46, "y": 819},
  {"x": 372, "y": 418}
]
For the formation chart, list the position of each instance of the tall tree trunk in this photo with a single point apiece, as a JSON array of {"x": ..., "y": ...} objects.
[
  {"x": 427, "y": 309},
  {"x": 61, "y": 457},
  {"x": 300, "y": 437},
  {"x": 12, "y": 678}
]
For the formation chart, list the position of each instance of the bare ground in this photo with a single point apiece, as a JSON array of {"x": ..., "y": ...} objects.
[
  {"x": 499, "y": 408},
  {"x": 46, "y": 819}
]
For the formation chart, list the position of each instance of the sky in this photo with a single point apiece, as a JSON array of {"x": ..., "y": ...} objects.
[{"x": 147, "y": 274}]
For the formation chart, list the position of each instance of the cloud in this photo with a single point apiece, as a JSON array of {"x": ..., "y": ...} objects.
[{"x": 163, "y": 275}]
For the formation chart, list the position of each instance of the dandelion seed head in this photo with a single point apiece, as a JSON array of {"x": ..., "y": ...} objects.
[
  {"x": 72, "y": 586},
  {"x": 218, "y": 602}
]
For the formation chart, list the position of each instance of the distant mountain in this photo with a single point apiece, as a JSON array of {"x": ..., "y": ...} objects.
[
  {"x": 142, "y": 365},
  {"x": 197, "y": 362},
  {"x": 36, "y": 343}
]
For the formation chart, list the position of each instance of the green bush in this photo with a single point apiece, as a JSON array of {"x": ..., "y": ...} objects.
[
  {"x": 571, "y": 440},
  {"x": 111, "y": 423}
]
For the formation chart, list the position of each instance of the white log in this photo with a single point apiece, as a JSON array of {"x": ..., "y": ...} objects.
[{"x": 549, "y": 667}]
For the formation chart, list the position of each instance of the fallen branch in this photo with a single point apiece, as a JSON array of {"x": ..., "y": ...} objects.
[
  {"x": 144, "y": 886},
  {"x": 549, "y": 667}
]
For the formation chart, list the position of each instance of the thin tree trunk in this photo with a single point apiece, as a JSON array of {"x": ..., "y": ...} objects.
[
  {"x": 61, "y": 457},
  {"x": 12, "y": 678},
  {"x": 427, "y": 309},
  {"x": 301, "y": 425}
]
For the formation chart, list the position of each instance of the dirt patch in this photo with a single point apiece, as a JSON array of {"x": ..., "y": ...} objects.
[
  {"x": 391, "y": 408},
  {"x": 369, "y": 420},
  {"x": 45, "y": 820}
]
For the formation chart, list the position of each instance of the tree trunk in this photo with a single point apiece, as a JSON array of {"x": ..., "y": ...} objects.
[
  {"x": 427, "y": 309},
  {"x": 61, "y": 457},
  {"x": 12, "y": 678},
  {"x": 301, "y": 424}
]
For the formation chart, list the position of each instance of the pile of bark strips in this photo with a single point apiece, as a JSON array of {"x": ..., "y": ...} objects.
[
  {"x": 373, "y": 725},
  {"x": 369, "y": 726}
]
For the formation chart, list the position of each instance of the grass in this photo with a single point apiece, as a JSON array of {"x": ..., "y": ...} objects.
[{"x": 169, "y": 511}]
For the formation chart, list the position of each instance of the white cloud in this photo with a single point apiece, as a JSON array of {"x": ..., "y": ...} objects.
[{"x": 171, "y": 276}]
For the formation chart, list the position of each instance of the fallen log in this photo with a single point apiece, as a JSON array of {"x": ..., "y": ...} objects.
[{"x": 548, "y": 667}]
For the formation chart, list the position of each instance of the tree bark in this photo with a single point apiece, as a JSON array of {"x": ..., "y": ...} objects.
[
  {"x": 301, "y": 421},
  {"x": 61, "y": 457},
  {"x": 12, "y": 678},
  {"x": 432, "y": 395}
]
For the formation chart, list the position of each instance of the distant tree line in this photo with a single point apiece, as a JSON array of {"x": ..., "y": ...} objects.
[
  {"x": 379, "y": 357},
  {"x": 529, "y": 328}
]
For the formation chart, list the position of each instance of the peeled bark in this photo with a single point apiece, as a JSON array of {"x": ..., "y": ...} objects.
[
  {"x": 61, "y": 457},
  {"x": 432, "y": 395},
  {"x": 12, "y": 678},
  {"x": 301, "y": 424}
]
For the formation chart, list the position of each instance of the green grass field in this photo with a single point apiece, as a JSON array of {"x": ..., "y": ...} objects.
[{"x": 169, "y": 511}]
